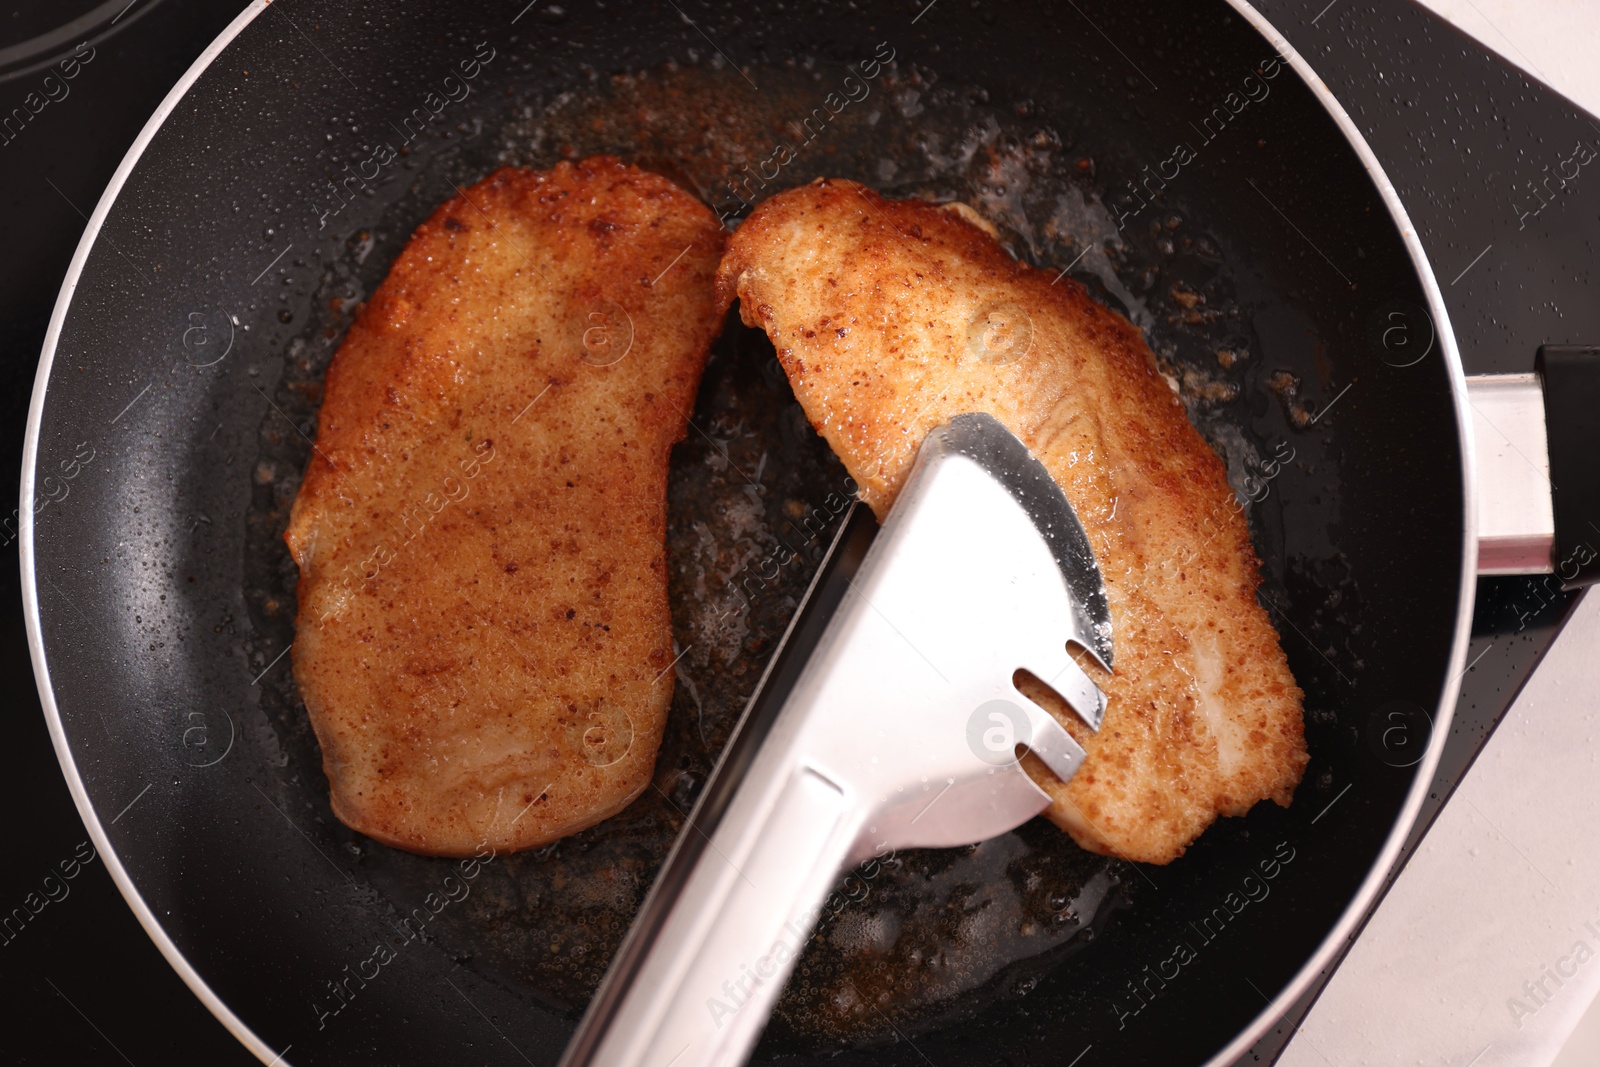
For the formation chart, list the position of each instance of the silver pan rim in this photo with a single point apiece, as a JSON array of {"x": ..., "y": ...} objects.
[
  {"x": 30, "y": 591},
  {"x": 1353, "y": 914},
  {"x": 1356, "y": 912}
]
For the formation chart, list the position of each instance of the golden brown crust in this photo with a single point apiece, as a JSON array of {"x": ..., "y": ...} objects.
[
  {"x": 483, "y": 626},
  {"x": 891, "y": 317}
]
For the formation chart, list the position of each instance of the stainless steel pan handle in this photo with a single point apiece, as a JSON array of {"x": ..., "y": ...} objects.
[{"x": 1538, "y": 475}]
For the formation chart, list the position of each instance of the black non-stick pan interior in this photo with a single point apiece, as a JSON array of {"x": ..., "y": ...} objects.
[{"x": 1159, "y": 150}]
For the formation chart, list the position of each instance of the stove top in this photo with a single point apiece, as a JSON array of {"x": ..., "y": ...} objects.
[{"x": 1470, "y": 143}]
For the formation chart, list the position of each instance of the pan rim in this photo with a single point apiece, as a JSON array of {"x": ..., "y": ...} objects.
[
  {"x": 1354, "y": 913},
  {"x": 30, "y": 590}
]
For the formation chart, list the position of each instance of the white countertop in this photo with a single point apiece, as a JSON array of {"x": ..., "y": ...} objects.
[{"x": 1486, "y": 953}]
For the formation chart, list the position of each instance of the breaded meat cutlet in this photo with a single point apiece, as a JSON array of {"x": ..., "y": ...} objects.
[
  {"x": 483, "y": 634},
  {"x": 892, "y": 317}
]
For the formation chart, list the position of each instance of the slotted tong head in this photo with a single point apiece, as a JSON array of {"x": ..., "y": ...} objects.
[{"x": 899, "y": 729}]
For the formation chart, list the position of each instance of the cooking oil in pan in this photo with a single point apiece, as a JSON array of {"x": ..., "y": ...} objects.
[{"x": 911, "y": 941}]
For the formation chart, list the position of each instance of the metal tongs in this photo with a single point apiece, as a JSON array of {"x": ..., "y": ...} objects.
[{"x": 891, "y": 722}]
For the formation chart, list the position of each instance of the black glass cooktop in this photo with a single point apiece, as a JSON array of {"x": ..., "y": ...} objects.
[{"x": 1468, "y": 141}]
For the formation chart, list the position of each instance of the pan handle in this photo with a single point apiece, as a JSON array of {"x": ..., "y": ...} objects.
[
  {"x": 1538, "y": 479},
  {"x": 1571, "y": 378}
]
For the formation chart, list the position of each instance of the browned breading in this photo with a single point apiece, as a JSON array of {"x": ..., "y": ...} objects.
[
  {"x": 483, "y": 634},
  {"x": 891, "y": 317}
]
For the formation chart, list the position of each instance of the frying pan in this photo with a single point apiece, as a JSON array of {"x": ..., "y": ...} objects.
[{"x": 1271, "y": 265}]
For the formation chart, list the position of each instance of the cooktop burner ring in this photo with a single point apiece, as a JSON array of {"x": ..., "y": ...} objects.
[{"x": 82, "y": 22}]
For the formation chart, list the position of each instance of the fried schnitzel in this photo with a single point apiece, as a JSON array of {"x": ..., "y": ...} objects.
[
  {"x": 483, "y": 640},
  {"x": 892, "y": 317}
]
